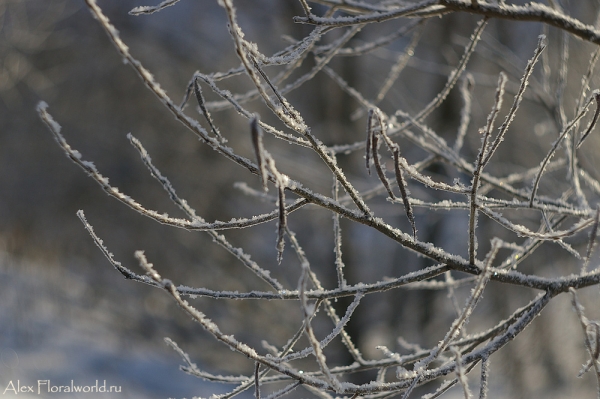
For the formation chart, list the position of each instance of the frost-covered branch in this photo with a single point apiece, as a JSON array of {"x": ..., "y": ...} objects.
[{"x": 506, "y": 204}]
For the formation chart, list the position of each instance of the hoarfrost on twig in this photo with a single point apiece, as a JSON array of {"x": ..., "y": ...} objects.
[{"x": 495, "y": 194}]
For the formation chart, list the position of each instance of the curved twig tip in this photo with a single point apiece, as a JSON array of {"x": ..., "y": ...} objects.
[{"x": 596, "y": 96}]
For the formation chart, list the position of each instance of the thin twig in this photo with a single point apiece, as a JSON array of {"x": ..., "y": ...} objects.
[
  {"x": 596, "y": 96},
  {"x": 588, "y": 343},
  {"x": 201, "y": 104},
  {"x": 518, "y": 98},
  {"x": 484, "y": 151},
  {"x": 555, "y": 145},
  {"x": 152, "y": 9},
  {"x": 592, "y": 241}
]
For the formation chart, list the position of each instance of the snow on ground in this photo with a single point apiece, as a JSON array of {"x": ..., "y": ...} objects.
[{"x": 49, "y": 338}]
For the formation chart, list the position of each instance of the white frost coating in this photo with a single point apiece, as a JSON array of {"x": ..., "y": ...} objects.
[
  {"x": 152, "y": 9},
  {"x": 295, "y": 51},
  {"x": 524, "y": 231},
  {"x": 352, "y": 207},
  {"x": 42, "y": 110},
  {"x": 42, "y": 106},
  {"x": 375, "y": 17}
]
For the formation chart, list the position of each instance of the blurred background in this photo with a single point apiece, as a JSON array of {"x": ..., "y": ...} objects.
[{"x": 66, "y": 314}]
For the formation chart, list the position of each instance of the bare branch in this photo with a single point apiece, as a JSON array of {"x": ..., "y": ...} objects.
[
  {"x": 534, "y": 12},
  {"x": 306, "y": 353}
]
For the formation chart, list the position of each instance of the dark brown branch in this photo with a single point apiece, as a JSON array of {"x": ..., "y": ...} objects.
[{"x": 534, "y": 12}]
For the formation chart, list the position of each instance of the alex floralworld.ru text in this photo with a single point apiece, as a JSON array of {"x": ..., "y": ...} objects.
[{"x": 46, "y": 386}]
